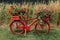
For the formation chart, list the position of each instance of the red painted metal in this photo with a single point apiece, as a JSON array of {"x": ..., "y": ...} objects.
[
  {"x": 42, "y": 27},
  {"x": 11, "y": 25},
  {"x": 15, "y": 17},
  {"x": 26, "y": 27}
]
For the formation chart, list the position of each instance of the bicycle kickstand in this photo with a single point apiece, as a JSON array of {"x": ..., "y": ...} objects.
[{"x": 25, "y": 33}]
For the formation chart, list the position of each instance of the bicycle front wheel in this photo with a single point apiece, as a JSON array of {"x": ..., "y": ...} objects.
[
  {"x": 44, "y": 28},
  {"x": 16, "y": 27}
]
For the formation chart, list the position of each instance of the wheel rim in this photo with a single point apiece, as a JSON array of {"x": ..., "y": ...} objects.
[
  {"x": 42, "y": 28},
  {"x": 15, "y": 29},
  {"x": 37, "y": 29}
]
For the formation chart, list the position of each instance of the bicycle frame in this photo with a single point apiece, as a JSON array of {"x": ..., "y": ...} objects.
[{"x": 27, "y": 27}]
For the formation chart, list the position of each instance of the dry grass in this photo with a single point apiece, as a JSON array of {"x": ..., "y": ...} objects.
[
  {"x": 5, "y": 33},
  {"x": 5, "y": 16}
]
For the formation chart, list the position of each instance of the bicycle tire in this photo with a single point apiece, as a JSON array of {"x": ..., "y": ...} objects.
[
  {"x": 42, "y": 27},
  {"x": 15, "y": 32}
]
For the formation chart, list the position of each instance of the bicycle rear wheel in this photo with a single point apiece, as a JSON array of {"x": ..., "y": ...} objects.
[
  {"x": 44, "y": 28},
  {"x": 16, "y": 27}
]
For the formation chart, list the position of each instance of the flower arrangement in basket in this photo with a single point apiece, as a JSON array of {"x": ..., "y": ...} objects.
[
  {"x": 45, "y": 14},
  {"x": 17, "y": 12}
]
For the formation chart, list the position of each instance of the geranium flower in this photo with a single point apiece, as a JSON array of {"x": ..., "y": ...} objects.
[
  {"x": 17, "y": 11},
  {"x": 11, "y": 6},
  {"x": 20, "y": 11},
  {"x": 25, "y": 9},
  {"x": 10, "y": 11},
  {"x": 46, "y": 18}
]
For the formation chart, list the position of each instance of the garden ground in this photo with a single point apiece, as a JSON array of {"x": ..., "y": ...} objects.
[{"x": 5, "y": 34}]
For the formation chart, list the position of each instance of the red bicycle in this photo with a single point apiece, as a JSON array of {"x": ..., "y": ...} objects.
[{"x": 19, "y": 26}]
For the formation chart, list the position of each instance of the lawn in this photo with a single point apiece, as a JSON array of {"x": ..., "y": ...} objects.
[{"x": 5, "y": 34}]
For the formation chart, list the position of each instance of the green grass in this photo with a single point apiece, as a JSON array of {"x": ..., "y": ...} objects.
[{"x": 5, "y": 34}]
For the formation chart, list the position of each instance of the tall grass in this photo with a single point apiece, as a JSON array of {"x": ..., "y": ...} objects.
[{"x": 5, "y": 16}]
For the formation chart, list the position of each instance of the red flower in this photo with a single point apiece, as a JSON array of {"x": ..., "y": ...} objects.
[
  {"x": 12, "y": 6},
  {"x": 21, "y": 11},
  {"x": 47, "y": 18},
  {"x": 10, "y": 11},
  {"x": 17, "y": 10},
  {"x": 25, "y": 9}
]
